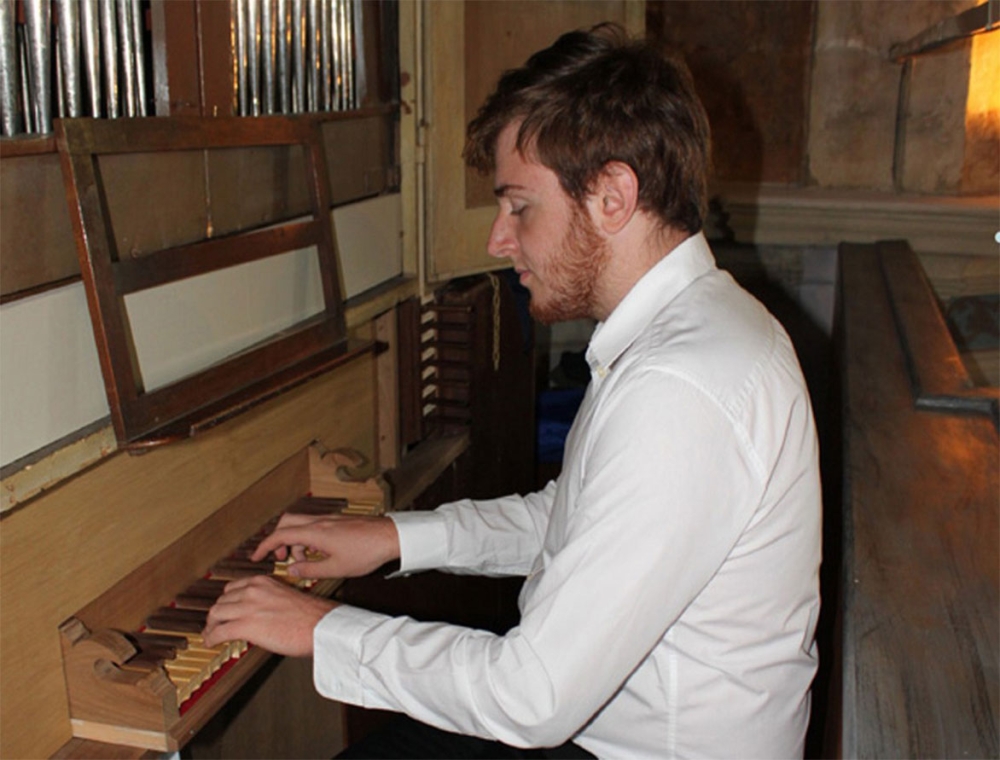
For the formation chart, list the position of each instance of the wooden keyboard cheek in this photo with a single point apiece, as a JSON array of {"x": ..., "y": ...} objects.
[{"x": 100, "y": 688}]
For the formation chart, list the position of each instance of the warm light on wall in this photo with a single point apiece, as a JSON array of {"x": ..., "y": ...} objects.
[
  {"x": 982, "y": 117},
  {"x": 984, "y": 75}
]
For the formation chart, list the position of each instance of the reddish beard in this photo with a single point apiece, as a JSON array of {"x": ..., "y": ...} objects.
[{"x": 572, "y": 273}]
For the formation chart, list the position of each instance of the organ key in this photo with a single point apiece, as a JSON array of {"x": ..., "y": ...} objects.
[{"x": 138, "y": 686}]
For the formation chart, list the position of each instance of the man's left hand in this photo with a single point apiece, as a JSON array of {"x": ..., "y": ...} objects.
[{"x": 268, "y": 613}]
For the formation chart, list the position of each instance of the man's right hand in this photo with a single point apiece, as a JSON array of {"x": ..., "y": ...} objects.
[{"x": 332, "y": 546}]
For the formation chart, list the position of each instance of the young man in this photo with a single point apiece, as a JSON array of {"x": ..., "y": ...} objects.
[{"x": 672, "y": 570}]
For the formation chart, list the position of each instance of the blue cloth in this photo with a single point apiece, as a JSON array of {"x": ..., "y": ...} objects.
[{"x": 555, "y": 412}]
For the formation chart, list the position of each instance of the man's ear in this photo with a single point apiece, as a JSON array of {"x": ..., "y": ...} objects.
[{"x": 615, "y": 197}]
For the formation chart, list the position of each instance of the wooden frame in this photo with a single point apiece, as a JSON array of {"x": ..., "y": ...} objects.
[{"x": 146, "y": 418}]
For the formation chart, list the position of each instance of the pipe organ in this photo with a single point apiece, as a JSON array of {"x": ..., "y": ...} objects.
[{"x": 122, "y": 671}]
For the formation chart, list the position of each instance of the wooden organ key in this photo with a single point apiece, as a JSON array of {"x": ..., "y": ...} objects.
[{"x": 155, "y": 686}]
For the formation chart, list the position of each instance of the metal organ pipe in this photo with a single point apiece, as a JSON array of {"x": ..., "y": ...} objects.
[
  {"x": 10, "y": 103},
  {"x": 347, "y": 53},
  {"x": 298, "y": 57},
  {"x": 32, "y": 85},
  {"x": 238, "y": 14},
  {"x": 139, "y": 52},
  {"x": 109, "y": 48},
  {"x": 128, "y": 55},
  {"x": 267, "y": 24},
  {"x": 68, "y": 16},
  {"x": 91, "y": 42},
  {"x": 313, "y": 17},
  {"x": 252, "y": 20},
  {"x": 315, "y": 54},
  {"x": 38, "y": 16},
  {"x": 284, "y": 73},
  {"x": 22, "y": 63},
  {"x": 359, "y": 79},
  {"x": 326, "y": 55},
  {"x": 290, "y": 56}
]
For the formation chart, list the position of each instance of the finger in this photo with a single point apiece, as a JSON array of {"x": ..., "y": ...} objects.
[
  {"x": 218, "y": 633},
  {"x": 236, "y": 585},
  {"x": 226, "y": 607},
  {"x": 283, "y": 538},
  {"x": 315, "y": 568},
  {"x": 236, "y": 591}
]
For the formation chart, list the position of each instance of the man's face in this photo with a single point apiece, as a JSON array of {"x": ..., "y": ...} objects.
[{"x": 548, "y": 237}]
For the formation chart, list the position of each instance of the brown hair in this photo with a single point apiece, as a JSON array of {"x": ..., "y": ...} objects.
[{"x": 593, "y": 97}]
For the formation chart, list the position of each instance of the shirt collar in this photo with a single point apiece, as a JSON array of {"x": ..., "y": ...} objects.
[{"x": 657, "y": 288}]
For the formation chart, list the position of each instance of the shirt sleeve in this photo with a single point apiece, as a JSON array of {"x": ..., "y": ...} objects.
[
  {"x": 494, "y": 537},
  {"x": 665, "y": 490}
]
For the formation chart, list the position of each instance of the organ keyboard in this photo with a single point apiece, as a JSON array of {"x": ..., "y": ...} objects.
[{"x": 137, "y": 670}]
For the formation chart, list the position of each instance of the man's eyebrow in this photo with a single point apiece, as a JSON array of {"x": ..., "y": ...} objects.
[{"x": 501, "y": 190}]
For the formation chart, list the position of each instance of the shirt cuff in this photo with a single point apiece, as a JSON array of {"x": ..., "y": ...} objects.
[
  {"x": 338, "y": 641},
  {"x": 423, "y": 540}
]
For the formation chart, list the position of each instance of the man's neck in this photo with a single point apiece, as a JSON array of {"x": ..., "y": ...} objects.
[{"x": 634, "y": 251}]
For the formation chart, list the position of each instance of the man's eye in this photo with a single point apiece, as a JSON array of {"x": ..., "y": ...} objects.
[{"x": 517, "y": 210}]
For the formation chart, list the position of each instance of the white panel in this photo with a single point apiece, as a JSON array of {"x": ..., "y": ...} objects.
[
  {"x": 186, "y": 326},
  {"x": 50, "y": 378},
  {"x": 370, "y": 238}
]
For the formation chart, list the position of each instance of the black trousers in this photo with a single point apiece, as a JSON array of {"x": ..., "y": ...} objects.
[{"x": 403, "y": 737}]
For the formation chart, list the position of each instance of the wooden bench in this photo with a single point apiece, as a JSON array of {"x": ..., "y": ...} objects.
[{"x": 918, "y": 636}]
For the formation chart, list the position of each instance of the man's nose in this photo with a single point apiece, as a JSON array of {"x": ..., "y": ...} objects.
[{"x": 501, "y": 241}]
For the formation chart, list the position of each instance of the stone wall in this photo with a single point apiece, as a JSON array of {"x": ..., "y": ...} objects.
[
  {"x": 805, "y": 93},
  {"x": 878, "y": 124}
]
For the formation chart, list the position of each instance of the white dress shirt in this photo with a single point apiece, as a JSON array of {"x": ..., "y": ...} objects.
[{"x": 672, "y": 570}]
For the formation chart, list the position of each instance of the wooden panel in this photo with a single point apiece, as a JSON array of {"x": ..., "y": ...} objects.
[
  {"x": 81, "y": 749},
  {"x": 921, "y": 567},
  {"x": 157, "y": 581},
  {"x": 217, "y": 83},
  {"x": 498, "y": 38},
  {"x": 36, "y": 239},
  {"x": 459, "y": 219},
  {"x": 360, "y": 156},
  {"x": 253, "y": 186},
  {"x": 423, "y": 465},
  {"x": 268, "y": 719},
  {"x": 155, "y": 200},
  {"x": 69, "y": 545},
  {"x": 175, "y": 52}
]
